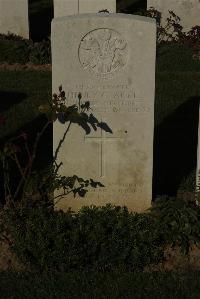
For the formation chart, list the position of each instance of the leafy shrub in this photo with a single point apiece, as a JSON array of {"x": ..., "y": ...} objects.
[
  {"x": 192, "y": 40},
  {"x": 95, "y": 238},
  {"x": 172, "y": 31},
  {"x": 15, "y": 49},
  {"x": 177, "y": 222},
  {"x": 116, "y": 237},
  {"x": 40, "y": 52},
  {"x": 10, "y": 36}
]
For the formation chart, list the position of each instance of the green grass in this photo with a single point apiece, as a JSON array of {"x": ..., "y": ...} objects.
[
  {"x": 174, "y": 89},
  {"x": 177, "y": 78},
  {"x": 173, "y": 57},
  {"x": 101, "y": 285},
  {"x": 21, "y": 93}
]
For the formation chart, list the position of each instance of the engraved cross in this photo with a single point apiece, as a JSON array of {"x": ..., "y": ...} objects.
[{"x": 103, "y": 139}]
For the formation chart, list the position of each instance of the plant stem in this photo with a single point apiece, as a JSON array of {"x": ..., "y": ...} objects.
[
  {"x": 61, "y": 195},
  {"x": 19, "y": 167},
  {"x": 61, "y": 142},
  {"x": 33, "y": 155}
]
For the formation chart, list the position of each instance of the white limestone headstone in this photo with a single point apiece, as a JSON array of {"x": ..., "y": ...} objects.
[
  {"x": 14, "y": 17},
  {"x": 198, "y": 159},
  {"x": 187, "y": 10},
  {"x": 110, "y": 60},
  {"x": 73, "y": 7}
]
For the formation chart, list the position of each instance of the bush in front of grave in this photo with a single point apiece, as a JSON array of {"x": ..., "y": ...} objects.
[
  {"x": 13, "y": 49},
  {"x": 99, "y": 238},
  {"x": 96, "y": 238},
  {"x": 177, "y": 222}
]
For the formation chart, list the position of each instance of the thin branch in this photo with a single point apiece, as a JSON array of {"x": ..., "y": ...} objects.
[
  {"x": 58, "y": 166},
  {"x": 33, "y": 155},
  {"x": 15, "y": 159},
  {"x": 61, "y": 142},
  {"x": 61, "y": 195},
  {"x": 21, "y": 182},
  {"x": 6, "y": 181},
  {"x": 4, "y": 173},
  {"x": 27, "y": 150}
]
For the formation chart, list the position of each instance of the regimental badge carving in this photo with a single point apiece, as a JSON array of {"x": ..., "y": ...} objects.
[{"x": 103, "y": 51}]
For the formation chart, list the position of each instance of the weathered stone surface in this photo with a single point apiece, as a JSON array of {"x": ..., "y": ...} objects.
[
  {"x": 187, "y": 10},
  {"x": 198, "y": 160},
  {"x": 14, "y": 17},
  {"x": 110, "y": 59},
  {"x": 73, "y": 7}
]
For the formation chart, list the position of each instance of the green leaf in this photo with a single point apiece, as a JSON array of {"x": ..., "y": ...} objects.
[
  {"x": 104, "y": 127},
  {"x": 82, "y": 192}
]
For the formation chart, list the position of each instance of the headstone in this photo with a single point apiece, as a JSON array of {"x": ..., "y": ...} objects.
[
  {"x": 187, "y": 10},
  {"x": 73, "y": 7},
  {"x": 198, "y": 160},
  {"x": 110, "y": 60},
  {"x": 14, "y": 17}
]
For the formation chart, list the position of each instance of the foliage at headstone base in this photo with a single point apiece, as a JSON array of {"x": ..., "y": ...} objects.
[
  {"x": 100, "y": 239},
  {"x": 177, "y": 222},
  {"x": 15, "y": 49},
  {"x": 44, "y": 239}
]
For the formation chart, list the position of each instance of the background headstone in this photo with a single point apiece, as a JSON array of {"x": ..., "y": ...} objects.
[
  {"x": 73, "y": 7},
  {"x": 187, "y": 10},
  {"x": 105, "y": 57},
  {"x": 14, "y": 17}
]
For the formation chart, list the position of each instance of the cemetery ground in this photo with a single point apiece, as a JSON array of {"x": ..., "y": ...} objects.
[
  {"x": 23, "y": 90},
  {"x": 101, "y": 285}
]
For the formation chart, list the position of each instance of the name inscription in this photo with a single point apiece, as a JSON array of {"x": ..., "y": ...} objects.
[
  {"x": 108, "y": 98},
  {"x": 110, "y": 188}
]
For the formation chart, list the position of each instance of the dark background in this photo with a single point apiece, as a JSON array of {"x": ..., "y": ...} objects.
[{"x": 41, "y": 14}]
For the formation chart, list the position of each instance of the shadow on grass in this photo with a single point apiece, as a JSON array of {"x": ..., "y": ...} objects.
[
  {"x": 45, "y": 146},
  {"x": 8, "y": 99},
  {"x": 100, "y": 285},
  {"x": 43, "y": 155},
  {"x": 175, "y": 148}
]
